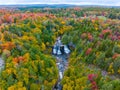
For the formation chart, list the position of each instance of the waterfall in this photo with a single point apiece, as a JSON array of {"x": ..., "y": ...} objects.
[{"x": 61, "y": 52}]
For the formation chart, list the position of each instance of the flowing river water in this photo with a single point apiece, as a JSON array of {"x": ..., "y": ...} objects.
[
  {"x": 62, "y": 64},
  {"x": 61, "y": 61},
  {"x": 1, "y": 64}
]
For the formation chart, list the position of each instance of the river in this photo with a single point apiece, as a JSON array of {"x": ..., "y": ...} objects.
[
  {"x": 61, "y": 60},
  {"x": 1, "y": 64},
  {"x": 62, "y": 64}
]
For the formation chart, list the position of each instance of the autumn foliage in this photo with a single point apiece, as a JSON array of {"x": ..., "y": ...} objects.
[{"x": 28, "y": 34}]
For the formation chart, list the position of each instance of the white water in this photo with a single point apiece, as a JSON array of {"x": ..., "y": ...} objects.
[
  {"x": 61, "y": 61},
  {"x": 1, "y": 64},
  {"x": 62, "y": 64}
]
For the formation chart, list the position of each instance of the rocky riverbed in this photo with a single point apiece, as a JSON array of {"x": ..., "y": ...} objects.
[
  {"x": 61, "y": 61},
  {"x": 62, "y": 64}
]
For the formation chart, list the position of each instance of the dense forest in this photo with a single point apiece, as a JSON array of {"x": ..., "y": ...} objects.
[{"x": 27, "y": 36}]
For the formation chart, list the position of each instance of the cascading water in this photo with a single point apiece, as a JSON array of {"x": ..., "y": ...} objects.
[
  {"x": 61, "y": 52},
  {"x": 1, "y": 64}
]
